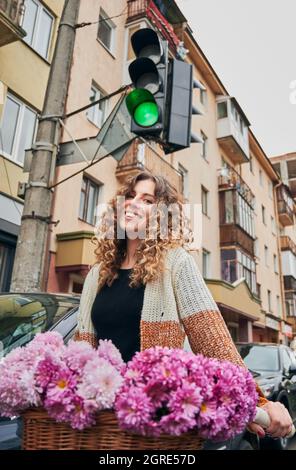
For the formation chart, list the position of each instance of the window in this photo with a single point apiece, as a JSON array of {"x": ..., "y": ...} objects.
[
  {"x": 278, "y": 306},
  {"x": 203, "y": 97},
  {"x": 272, "y": 223},
  {"x": 275, "y": 264},
  {"x": 88, "y": 201},
  {"x": 106, "y": 31},
  {"x": 235, "y": 264},
  {"x": 266, "y": 255},
  {"x": 204, "y": 200},
  {"x": 286, "y": 361},
  {"x": 270, "y": 189},
  {"x": 259, "y": 290},
  {"x": 17, "y": 129},
  {"x": 205, "y": 263},
  {"x": 222, "y": 110},
  {"x": 96, "y": 114},
  {"x": 269, "y": 300},
  {"x": 251, "y": 164},
  {"x": 204, "y": 149},
  {"x": 256, "y": 248},
  {"x": 184, "y": 176},
  {"x": 38, "y": 24},
  {"x": 245, "y": 215},
  {"x": 7, "y": 252},
  {"x": 260, "y": 178},
  {"x": 263, "y": 214}
]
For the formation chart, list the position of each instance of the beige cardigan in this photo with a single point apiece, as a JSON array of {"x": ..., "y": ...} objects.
[{"x": 177, "y": 304}]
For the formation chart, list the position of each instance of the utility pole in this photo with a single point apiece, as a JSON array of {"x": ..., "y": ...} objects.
[{"x": 32, "y": 241}]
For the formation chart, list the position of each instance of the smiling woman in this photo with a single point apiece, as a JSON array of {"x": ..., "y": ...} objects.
[{"x": 146, "y": 290}]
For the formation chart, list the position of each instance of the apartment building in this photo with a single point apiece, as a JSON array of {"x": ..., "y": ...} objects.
[
  {"x": 285, "y": 165},
  {"x": 227, "y": 252},
  {"x": 228, "y": 176},
  {"x": 27, "y": 37}
]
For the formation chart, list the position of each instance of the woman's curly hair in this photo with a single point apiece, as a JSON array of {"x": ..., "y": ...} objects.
[{"x": 170, "y": 229}]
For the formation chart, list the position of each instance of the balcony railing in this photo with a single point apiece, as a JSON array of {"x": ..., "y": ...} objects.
[
  {"x": 286, "y": 206},
  {"x": 233, "y": 235},
  {"x": 142, "y": 157},
  {"x": 11, "y": 16},
  {"x": 138, "y": 9},
  {"x": 288, "y": 244},
  {"x": 229, "y": 178}
]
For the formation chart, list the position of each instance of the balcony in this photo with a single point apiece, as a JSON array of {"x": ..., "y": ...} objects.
[
  {"x": 75, "y": 251},
  {"x": 287, "y": 244},
  {"x": 138, "y": 9},
  {"x": 233, "y": 235},
  {"x": 286, "y": 206},
  {"x": 142, "y": 157},
  {"x": 290, "y": 299},
  {"x": 232, "y": 130},
  {"x": 11, "y": 15},
  {"x": 236, "y": 202},
  {"x": 229, "y": 178}
]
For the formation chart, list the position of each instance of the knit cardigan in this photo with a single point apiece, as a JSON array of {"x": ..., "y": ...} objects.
[{"x": 175, "y": 305}]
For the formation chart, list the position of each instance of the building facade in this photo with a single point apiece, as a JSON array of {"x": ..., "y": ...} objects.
[
  {"x": 28, "y": 31},
  {"x": 229, "y": 177},
  {"x": 285, "y": 165}
]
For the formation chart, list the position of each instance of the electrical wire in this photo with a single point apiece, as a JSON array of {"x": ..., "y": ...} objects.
[
  {"x": 83, "y": 24},
  {"x": 93, "y": 163}
]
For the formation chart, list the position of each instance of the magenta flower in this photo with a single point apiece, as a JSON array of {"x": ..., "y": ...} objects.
[{"x": 173, "y": 391}]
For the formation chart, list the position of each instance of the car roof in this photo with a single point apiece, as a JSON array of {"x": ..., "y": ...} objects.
[
  {"x": 62, "y": 296},
  {"x": 242, "y": 343}
]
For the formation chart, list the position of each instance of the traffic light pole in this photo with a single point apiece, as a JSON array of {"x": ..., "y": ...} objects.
[{"x": 31, "y": 246}]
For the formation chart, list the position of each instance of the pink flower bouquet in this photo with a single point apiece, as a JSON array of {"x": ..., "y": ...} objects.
[
  {"x": 160, "y": 391},
  {"x": 71, "y": 382},
  {"x": 172, "y": 391}
]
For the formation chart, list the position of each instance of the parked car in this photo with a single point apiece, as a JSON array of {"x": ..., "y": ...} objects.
[
  {"x": 274, "y": 368},
  {"x": 22, "y": 316}
]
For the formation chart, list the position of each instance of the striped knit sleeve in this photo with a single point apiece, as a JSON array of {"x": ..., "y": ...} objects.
[
  {"x": 85, "y": 330},
  {"x": 202, "y": 321}
]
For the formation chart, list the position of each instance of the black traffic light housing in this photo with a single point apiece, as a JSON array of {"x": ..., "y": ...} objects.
[
  {"x": 161, "y": 103},
  {"x": 178, "y": 134},
  {"x": 148, "y": 73}
]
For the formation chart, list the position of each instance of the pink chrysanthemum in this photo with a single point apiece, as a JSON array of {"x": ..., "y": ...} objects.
[{"x": 181, "y": 391}]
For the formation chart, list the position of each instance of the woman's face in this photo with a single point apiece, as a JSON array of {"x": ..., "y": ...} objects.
[{"x": 137, "y": 207}]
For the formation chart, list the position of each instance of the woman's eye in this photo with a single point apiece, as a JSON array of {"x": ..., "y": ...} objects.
[{"x": 148, "y": 201}]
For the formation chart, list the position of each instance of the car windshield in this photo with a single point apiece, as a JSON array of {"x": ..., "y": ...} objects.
[
  {"x": 24, "y": 315},
  {"x": 259, "y": 358}
]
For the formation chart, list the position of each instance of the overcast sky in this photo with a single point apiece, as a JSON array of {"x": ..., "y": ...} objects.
[{"x": 252, "y": 46}]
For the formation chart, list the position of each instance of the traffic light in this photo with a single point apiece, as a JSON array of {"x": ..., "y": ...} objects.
[
  {"x": 148, "y": 72},
  {"x": 178, "y": 134},
  {"x": 161, "y": 103}
]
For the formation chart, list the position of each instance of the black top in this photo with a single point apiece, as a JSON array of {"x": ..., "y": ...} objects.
[{"x": 116, "y": 314}]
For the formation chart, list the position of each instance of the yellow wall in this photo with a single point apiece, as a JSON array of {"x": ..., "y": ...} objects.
[
  {"x": 10, "y": 175},
  {"x": 25, "y": 72}
]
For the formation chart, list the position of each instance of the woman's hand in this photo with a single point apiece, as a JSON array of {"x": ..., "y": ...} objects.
[{"x": 280, "y": 421}]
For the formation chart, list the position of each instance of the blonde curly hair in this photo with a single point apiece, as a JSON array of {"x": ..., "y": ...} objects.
[{"x": 149, "y": 264}]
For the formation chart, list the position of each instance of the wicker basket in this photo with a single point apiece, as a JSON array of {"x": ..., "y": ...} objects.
[{"x": 42, "y": 433}]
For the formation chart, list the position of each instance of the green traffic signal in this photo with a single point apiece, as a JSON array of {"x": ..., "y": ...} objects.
[
  {"x": 146, "y": 114},
  {"x": 142, "y": 107}
]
